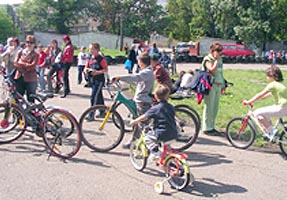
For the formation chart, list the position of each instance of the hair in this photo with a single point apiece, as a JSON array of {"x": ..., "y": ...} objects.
[
  {"x": 96, "y": 46},
  {"x": 216, "y": 47},
  {"x": 31, "y": 38},
  {"x": 275, "y": 72},
  {"x": 66, "y": 38},
  {"x": 145, "y": 58},
  {"x": 162, "y": 92},
  {"x": 55, "y": 41},
  {"x": 15, "y": 39}
]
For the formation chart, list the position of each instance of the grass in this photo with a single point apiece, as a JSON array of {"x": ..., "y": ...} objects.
[
  {"x": 106, "y": 52},
  {"x": 246, "y": 84}
]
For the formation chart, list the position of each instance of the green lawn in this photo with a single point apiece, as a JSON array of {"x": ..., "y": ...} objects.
[{"x": 246, "y": 84}]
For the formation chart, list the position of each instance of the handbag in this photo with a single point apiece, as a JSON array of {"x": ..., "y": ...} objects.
[{"x": 128, "y": 64}]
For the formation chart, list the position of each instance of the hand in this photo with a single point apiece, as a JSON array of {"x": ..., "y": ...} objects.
[
  {"x": 133, "y": 122},
  {"x": 245, "y": 102},
  {"x": 114, "y": 79},
  {"x": 223, "y": 90}
]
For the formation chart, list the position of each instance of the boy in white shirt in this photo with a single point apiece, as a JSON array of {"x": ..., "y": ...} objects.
[{"x": 82, "y": 59}]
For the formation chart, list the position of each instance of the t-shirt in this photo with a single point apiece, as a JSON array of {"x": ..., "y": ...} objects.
[
  {"x": 218, "y": 75},
  {"x": 279, "y": 92},
  {"x": 97, "y": 63},
  {"x": 82, "y": 59},
  {"x": 186, "y": 81},
  {"x": 163, "y": 120}
]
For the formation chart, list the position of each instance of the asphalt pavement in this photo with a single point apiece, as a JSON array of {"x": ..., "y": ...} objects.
[{"x": 221, "y": 171}]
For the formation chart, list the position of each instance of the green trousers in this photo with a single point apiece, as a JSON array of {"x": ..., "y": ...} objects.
[{"x": 210, "y": 109}]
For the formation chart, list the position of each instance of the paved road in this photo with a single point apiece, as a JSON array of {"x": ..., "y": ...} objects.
[{"x": 221, "y": 172}]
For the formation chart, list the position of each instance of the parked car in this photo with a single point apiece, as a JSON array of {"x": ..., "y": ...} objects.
[
  {"x": 235, "y": 50},
  {"x": 182, "y": 48}
]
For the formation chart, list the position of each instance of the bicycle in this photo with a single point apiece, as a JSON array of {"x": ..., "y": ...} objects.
[
  {"x": 58, "y": 127},
  {"x": 105, "y": 134},
  {"x": 241, "y": 131},
  {"x": 56, "y": 80},
  {"x": 173, "y": 163}
]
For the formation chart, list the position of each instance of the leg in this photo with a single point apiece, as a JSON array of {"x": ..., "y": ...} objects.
[
  {"x": 211, "y": 103},
  {"x": 66, "y": 68},
  {"x": 53, "y": 69},
  {"x": 80, "y": 71},
  {"x": 41, "y": 78},
  {"x": 151, "y": 141},
  {"x": 30, "y": 89}
]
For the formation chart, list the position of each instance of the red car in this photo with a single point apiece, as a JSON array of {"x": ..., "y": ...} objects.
[{"x": 234, "y": 50}]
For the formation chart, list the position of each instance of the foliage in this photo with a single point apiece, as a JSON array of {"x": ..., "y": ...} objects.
[
  {"x": 59, "y": 15},
  {"x": 7, "y": 26}
]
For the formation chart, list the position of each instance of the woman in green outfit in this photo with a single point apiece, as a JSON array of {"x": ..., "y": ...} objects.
[{"x": 213, "y": 64}]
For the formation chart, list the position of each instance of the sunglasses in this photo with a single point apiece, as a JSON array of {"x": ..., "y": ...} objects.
[{"x": 28, "y": 42}]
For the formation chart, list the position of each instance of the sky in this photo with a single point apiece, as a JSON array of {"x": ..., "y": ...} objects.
[{"x": 10, "y": 1}]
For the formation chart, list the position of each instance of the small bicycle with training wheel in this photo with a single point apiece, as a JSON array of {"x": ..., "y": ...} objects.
[
  {"x": 172, "y": 162},
  {"x": 241, "y": 131},
  {"x": 105, "y": 133},
  {"x": 57, "y": 126}
]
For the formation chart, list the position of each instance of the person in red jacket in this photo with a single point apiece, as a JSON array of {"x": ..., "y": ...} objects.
[{"x": 66, "y": 61}]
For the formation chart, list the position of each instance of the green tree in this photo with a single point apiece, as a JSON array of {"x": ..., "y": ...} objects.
[
  {"x": 7, "y": 26},
  {"x": 60, "y": 15}
]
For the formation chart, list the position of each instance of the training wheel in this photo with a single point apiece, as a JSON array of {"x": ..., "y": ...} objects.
[{"x": 158, "y": 187}]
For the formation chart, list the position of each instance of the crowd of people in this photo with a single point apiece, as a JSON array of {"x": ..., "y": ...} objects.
[{"x": 28, "y": 64}]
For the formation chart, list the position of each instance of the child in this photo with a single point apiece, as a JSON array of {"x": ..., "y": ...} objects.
[
  {"x": 144, "y": 81},
  {"x": 278, "y": 89},
  {"x": 82, "y": 60},
  {"x": 164, "y": 127}
]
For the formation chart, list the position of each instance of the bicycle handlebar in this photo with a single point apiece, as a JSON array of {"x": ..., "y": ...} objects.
[
  {"x": 109, "y": 85},
  {"x": 249, "y": 104}
]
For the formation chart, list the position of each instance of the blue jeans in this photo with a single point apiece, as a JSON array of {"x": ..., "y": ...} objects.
[
  {"x": 26, "y": 87},
  {"x": 80, "y": 73},
  {"x": 42, "y": 82}
]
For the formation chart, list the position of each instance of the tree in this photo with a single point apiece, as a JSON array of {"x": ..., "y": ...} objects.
[
  {"x": 6, "y": 25},
  {"x": 60, "y": 15}
]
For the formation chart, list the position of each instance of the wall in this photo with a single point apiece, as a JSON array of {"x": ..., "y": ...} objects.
[{"x": 106, "y": 40}]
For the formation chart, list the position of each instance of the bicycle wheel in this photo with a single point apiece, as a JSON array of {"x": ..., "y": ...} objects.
[
  {"x": 283, "y": 143},
  {"x": 240, "y": 133},
  {"x": 178, "y": 172},
  {"x": 190, "y": 109},
  {"x": 138, "y": 155},
  {"x": 62, "y": 134},
  {"x": 126, "y": 117},
  {"x": 101, "y": 139},
  {"x": 188, "y": 129},
  {"x": 13, "y": 125}
]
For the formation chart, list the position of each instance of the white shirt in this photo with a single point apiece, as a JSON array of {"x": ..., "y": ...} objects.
[
  {"x": 82, "y": 58},
  {"x": 186, "y": 80}
]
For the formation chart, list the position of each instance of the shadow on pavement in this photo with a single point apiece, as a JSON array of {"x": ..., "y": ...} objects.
[{"x": 212, "y": 188}]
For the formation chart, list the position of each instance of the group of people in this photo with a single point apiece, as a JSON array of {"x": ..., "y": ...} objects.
[
  {"x": 164, "y": 58},
  {"x": 23, "y": 63}
]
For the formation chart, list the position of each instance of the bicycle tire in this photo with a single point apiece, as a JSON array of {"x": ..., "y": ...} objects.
[
  {"x": 283, "y": 143},
  {"x": 62, "y": 133},
  {"x": 188, "y": 129},
  {"x": 14, "y": 127},
  {"x": 245, "y": 138},
  {"x": 101, "y": 140},
  {"x": 177, "y": 170},
  {"x": 137, "y": 157},
  {"x": 192, "y": 110},
  {"x": 126, "y": 117}
]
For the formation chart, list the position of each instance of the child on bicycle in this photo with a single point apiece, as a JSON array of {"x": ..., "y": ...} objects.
[
  {"x": 144, "y": 81},
  {"x": 164, "y": 127},
  {"x": 278, "y": 90}
]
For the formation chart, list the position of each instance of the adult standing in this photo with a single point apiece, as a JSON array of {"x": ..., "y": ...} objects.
[
  {"x": 82, "y": 60},
  {"x": 67, "y": 61},
  {"x": 133, "y": 58},
  {"x": 25, "y": 63},
  {"x": 56, "y": 53},
  {"x": 213, "y": 64},
  {"x": 96, "y": 67},
  {"x": 173, "y": 61}
]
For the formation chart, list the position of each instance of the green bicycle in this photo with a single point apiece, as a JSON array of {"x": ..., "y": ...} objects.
[{"x": 105, "y": 133}]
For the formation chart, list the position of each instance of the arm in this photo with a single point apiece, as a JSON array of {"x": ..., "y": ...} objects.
[
  {"x": 138, "y": 120},
  {"x": 211, "y": 66},
  {"x": 261, "y": 95}
]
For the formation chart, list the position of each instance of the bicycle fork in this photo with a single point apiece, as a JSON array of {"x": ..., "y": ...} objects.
[{"x": 105, "y": 119}]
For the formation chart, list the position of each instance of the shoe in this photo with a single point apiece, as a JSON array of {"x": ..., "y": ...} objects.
[
  {"x": 101, "y": 115},
  {"x": 209, "y": 132},
  {"x": 90, "y": 118},
  {"x": 154, "y": 155},
  {"x": 127, "y": 145},
  {"x": 87, "y": 85},
  {"x": 64, "y": 96}
]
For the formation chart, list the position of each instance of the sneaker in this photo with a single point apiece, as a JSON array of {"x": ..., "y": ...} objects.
[
  {"x": 90, "y": 118},
  {"x": 154, "y": 155},
  {"x": 101, "y": 115}
]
